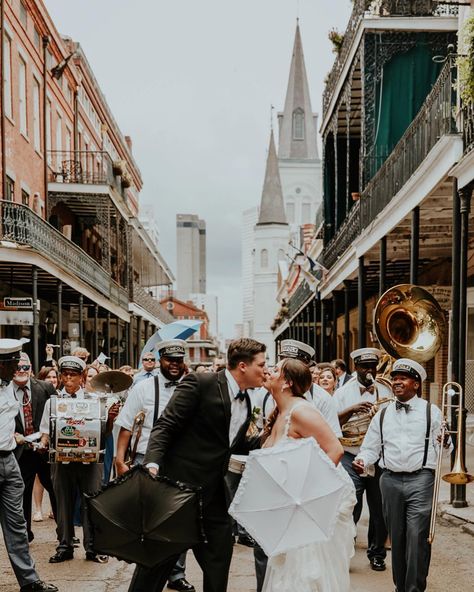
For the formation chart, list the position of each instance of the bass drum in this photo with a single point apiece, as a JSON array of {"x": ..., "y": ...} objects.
[{"x": 77, "y": 430}]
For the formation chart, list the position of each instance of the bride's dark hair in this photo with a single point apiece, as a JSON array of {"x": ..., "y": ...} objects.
[{"x": 298, "y": 376}]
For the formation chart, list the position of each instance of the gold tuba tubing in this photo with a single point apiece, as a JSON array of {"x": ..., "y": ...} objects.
[{"x": 458, "y": 474}]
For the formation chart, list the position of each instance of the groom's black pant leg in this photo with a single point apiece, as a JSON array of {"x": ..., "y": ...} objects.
[{"x": 152, "y": 580}]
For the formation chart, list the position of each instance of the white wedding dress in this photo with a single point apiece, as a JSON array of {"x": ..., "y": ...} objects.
[{"x": 318, "y": 567}]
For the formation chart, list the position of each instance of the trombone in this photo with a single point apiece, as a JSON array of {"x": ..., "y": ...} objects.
[{"x": 458, "y": 474}]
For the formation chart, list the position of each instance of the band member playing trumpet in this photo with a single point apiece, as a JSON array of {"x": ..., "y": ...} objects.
[
  {"x": 148, "y": 398},
  {"x": 357, "y": 403},
  {"x": 404, "y": 436}
]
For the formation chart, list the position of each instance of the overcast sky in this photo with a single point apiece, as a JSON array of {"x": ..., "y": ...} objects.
[{"x": 192, "y": 81}]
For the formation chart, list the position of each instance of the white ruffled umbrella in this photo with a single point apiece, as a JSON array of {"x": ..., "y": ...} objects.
[{"x": 289, "y": 496}]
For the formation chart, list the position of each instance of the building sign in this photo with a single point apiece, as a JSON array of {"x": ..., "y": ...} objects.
[{"x": 16, "y": 311}]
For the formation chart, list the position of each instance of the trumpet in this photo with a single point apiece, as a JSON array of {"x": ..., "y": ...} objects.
[
  {"x": 458, "y": 474},
  {"x": 137, "y": 428}
]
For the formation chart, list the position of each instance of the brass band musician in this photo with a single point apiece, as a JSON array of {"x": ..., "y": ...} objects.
[{"x": 359, "y": 397}]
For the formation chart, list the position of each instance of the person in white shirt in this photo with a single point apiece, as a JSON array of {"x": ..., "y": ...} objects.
[
  {"x": 405, "y": 436},
  {"x": 148, "y": 368},
  {"x": 152, "y": 395},
  {"x": 13, "y": 522},
  {"x": 69, "y": 478},
  {"x": 341, "y": 372},
  {"x": 359, "y": 396}
]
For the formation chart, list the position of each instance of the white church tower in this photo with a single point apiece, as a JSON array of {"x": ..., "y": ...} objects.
[
  {"x": 298, "y": 158},
  {"x": 271, "y": 236}
]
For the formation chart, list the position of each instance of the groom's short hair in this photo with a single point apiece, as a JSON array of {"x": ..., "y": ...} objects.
[{"x": 243, "y": 350}]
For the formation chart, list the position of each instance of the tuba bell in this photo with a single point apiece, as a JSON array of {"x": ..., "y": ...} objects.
[{"x": 409, "y": 323}]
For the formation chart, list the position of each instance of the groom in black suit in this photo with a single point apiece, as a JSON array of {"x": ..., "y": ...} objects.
[{"x": 203, "y": 424}]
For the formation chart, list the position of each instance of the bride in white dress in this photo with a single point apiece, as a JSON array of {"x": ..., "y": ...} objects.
[{"x": 319, "y": 567}]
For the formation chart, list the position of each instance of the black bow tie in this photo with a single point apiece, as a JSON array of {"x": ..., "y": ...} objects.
[
  {"x": 241, "y": 396},
  {"x": 399, "y": 405},
  {"x": 171, "y": 383}
]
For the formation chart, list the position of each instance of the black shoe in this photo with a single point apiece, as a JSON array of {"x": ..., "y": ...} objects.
[
  {"x": 39, "y": 586},
  {"x": 377, "y": 564},
  {"x": 91, "y": 556},
  {"x": 247, "y": 540},
  {"x": 181, "y": 584},
  {"x": 31, "y": 537},
  {"x": 61, "y": 556},
  {"x": 76, "y": 542}
]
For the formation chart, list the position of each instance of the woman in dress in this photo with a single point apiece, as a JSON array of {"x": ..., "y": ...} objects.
[
  {"x": 327, "y": 378},
  {"x": 318, "y": 567}
]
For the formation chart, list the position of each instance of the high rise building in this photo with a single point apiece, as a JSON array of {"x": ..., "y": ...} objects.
[{"x": 191, "y": 255}]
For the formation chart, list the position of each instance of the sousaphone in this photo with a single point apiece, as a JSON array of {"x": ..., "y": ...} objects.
[{"x": 409, "y": 323}]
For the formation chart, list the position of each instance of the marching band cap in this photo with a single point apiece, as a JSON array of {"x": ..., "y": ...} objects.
[
  {"x": 10, "y": 347},
  {"x": 290, "y": 348},
  {"x": 409, "y": 367},
  {"x": 173, "y": 348},
  {"x": 366, "y": 355},
  {"x": 71, "y": 363}
]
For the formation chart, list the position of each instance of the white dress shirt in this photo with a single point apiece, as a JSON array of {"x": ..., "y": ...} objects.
[
  {"x": 142, "y": 398},
  {"x": 143, "y": 375},
  {"x": 9, "y": 408},
  {"x": 238, "y": 408},
  {"x": 44, "y": 425},
  {"x": 350, "y": 394},
  {"x": 404, "y": 438}
]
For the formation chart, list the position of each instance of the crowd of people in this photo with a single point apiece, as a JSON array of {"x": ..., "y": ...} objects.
[{"x": 187, "y": 423}]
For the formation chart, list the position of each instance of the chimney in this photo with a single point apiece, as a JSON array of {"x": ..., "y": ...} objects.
[{"x": 128, "y": 141}]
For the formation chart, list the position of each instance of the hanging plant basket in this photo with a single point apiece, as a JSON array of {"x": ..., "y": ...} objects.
[{"x": 465, "y": 62}]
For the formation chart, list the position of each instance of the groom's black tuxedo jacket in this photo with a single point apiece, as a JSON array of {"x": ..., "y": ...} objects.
[{"x": 190, "y": 441}]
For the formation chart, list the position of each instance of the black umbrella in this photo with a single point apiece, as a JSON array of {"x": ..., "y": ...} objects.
[{"x": 144, "y": 519}]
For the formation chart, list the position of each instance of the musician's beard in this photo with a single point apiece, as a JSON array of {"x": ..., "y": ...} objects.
[{"x": 169, "y": 375}]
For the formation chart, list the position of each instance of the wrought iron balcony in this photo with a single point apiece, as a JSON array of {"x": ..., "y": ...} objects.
[
  {"x": 380, "y": 8},
  {"x": 434, "y": 120},
  {"x": 20, "y": 225},
  {"x": 344, "y": 237},
  {"x": 301, "y": 295},
  {"x": 87, "y": 168},
  {"x": 150, "y": 304},
  {"x": 468, "y": 126}
]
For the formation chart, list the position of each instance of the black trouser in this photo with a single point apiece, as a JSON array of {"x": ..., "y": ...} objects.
[
  {"x": 31, "y": 464},
  {"x": 407, "y": 499},
  {"x": 377, "y": 533},
  {"x": 214, "y": 556},
  {"x": 67, "y": 480}
]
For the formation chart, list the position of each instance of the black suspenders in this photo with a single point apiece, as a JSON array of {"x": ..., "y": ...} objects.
[
  {"x": 264, "y": 404},
  {"x": 156, "y": 410},
  {"x": 427, "y": 434}
]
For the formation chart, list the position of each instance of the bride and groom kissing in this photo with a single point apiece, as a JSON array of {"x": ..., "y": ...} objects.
[{"x": 204, "y": 423}]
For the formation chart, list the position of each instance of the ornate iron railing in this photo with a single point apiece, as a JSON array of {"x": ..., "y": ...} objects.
[
  {"x": 344, "y": 237},
  {"x": 434, "y": 120},
  {"x": 381, "y": 8},
  {"x": 20, "y": 225},
  {"x": 468, "y": 126},
  {"x": 150, "y": 304},
  {"x": 300, "y": 296}
]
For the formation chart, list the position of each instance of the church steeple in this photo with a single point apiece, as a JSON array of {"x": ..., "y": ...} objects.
[
  {"x": 297, "y": 123},
  {"x": 272, "y": 209}
]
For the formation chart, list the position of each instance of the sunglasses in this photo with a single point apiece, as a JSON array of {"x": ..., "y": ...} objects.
[
  {"x": 148, "y": 359},
  {"x": 24, "y": 367}
]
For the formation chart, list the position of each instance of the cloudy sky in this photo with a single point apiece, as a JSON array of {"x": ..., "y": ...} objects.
[{"x": 192, "y": 81}]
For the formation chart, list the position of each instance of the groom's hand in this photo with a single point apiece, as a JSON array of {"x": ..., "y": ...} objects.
[
  {"x": 153, "y": 469},
  {"x": 358, "y": 465}
]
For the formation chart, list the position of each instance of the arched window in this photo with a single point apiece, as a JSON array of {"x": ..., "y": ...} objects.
[
  {"x": 298, "y": 124},
  {"x": 264, "y": 258}
]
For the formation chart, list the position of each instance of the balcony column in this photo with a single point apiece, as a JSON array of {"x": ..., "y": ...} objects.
[
  {"x": 361, "y": 303},
  {"x": 96, "y": 331},
  {"x": 107, "y": 343},
  {"x": 130, "y": 341},
  {"x": 308, "y": 326},
  {"x": 34, "y": 278},
  {"x": 465, "y": 195},
  {"x": 81, "y": 324},
  {"x": 415, "y": 245},
  {"x": 334, "y": 326},
  {"x": 139, "y": 342},
  {"x": 147, "y": 324},
  {"x": 126, "y": 339},
  {"x": 323, "y": 348},
  {"x": 59, "y": 338},
  {"x": 347, "y": 322},
  {"x": 383, "y": 265},
  {"x": 119, "y": 337}
]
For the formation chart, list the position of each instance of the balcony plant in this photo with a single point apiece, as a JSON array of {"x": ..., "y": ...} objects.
[
  {"x": 337, "y": 39},
  {"x": 465, "y": 62}
]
